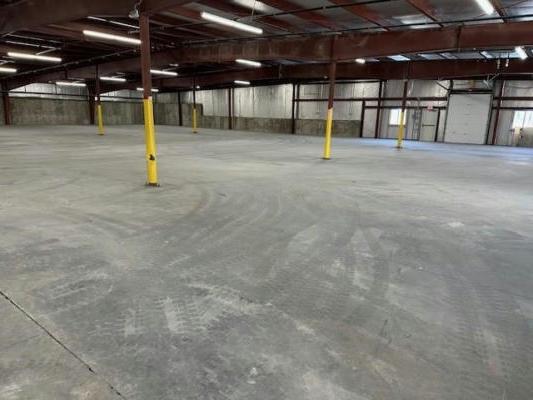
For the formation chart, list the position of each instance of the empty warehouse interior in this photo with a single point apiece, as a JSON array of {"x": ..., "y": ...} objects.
[{"x": 275, "y": 199}]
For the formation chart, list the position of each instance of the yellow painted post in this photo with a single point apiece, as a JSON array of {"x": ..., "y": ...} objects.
[
  {"x": 149, "y": 137},
  {"x": 327, "y": 141},
  {"x": 148, "y": 106},
  {"x": 401, "y": 126},
  {"x": 401, "y": 129},
  {"x": 100, "y": 119},
  {"x": 329, "y": 116}
]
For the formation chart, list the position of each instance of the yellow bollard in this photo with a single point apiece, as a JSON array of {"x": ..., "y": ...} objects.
[
  {"x": 149, "y": 136},
  {"x": 100, "y": 119},
  {"x": 327, "y": 142},
  {"x": 401, "y": 127},
  {"x": 194, "y": 121}
]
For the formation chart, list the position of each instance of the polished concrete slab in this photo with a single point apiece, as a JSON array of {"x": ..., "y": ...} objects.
[{"x": 260, "y": 271}]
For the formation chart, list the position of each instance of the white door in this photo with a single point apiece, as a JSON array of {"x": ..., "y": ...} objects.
[
  {"x": 429, "y": 125},
  {"x": 468, "y": 118}
]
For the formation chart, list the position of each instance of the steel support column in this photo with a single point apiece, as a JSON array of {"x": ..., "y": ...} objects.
[
  {"x": 230, "y": 111},
  {"x": 194, "y": 112},
  {"x": 293, "y": 109},
  {"x": 331, "y": 96},
  {"x": 99, "y": 115},
  {"x": 497, "y": 116},
  {"x": 149, "y": 129},
  {"x": 6, "y": 103},
  {"x": 401, "y": 126},
  {"x": 180, "y": 109},
  {"x": 363, "y": 109}
]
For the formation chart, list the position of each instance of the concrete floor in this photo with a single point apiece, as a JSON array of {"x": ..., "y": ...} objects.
[{"x": 260, "y": 271}]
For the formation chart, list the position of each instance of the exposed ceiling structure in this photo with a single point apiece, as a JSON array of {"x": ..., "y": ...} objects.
[{"x": 390, "y": 39}]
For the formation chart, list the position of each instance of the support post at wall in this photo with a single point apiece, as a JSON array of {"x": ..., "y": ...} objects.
[
  {"x": 99, "y": 115},
  {"x": 293, "y": 110},
  {"x": 378, "y": 111},
  {"x": 401, "y": 126},
  {"x": 230, "y": 112},
  {"x": 497, "y": 116},
  {"x": 194, "y": 112},
  {"x": 149, "y": 128},
  {"x": 180, "y": 110},
  {"x": 363, "y": 109},
  {"x": 6, "y": 103},
  {"x": 331, "y": 96},
  {"x": 437, "y": 126}
]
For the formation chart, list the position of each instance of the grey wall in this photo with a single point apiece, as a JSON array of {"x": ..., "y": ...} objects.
[
  {"x": 269, "y": 108},
  {"x": 48, "y": 111}
]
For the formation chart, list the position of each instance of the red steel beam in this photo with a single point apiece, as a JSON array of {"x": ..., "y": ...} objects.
[
  {"x": 241, "y": 11},
  {"x": 317, "y": 48},
  {"x": 24, "y": 15},
  {"x": 425, "y": 8},
  {"x": 310, "y": 16}
]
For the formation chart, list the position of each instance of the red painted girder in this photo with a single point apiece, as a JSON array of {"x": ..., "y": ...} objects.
[{"x": 364, "y": 12}]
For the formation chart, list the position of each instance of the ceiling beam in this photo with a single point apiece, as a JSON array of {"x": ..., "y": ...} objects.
[
  {"x": 364, "y": 12},
  {"x": 500, "y": 9},
  {"x": 425, "y": 8},
  {"x": 241, "y": 11},
  {"x": 442, "y": 69},
  {"x": 309, "y": 16},
  {"x": 24, "y": 15},
  {"x": 317, "y": 48}
]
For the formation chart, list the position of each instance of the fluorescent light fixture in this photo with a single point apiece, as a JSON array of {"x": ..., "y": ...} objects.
[
  {"x": 113, "y": 22},
  {"x": 112, "y": 79},
  {"x": 7, "y": 70},
  {"x": 486, "y": 54},
  {"x": 140, "y": 89},
  {"x": 232, "y": 24},
  {"x": 161, "y": 72},
  {"x": 197, "y": 86},
  {"x": 248, "y": 62},
  {"x": 486, "y": 6},
  {"x": 399, "y": 58},
  {"x": 108, "y": 36},
  {"x": 242, "y": 82},
  {"x": 360, "y": 61},
  {"x": 36, "y": 57},
  {"x": 68, "y": 83},
  {"x": 521, "y": 52}
]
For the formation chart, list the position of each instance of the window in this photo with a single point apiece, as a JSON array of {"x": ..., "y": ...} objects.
[
  {"x": 523, "y": 119},
  {"x": 394, "y": 117}
]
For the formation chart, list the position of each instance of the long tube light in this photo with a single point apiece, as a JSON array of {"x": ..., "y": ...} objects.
[
  {"x": 140, "y": 89},
  {"x": 360, "y": 61},
  {"x": 36, "y": 57},
  {"x": 68, "y": 83},
  {"x": 108, "y": 36},
  {"x": 161, "y": 72},
  {"x": 486, "y": 6},
  {"x": 521, "y": 52},
  {"x": 246, "y": 83},
  {"x": 248, "y": 62},
  {"x": 112, "y": 79},
  {"x": 232, "y": 24},
  {"x": 7, "y": 70}
]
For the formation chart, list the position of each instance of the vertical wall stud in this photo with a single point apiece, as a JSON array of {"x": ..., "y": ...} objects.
[
  {"x": 378, "y": 111},
  {"x": 180, "y": 109},
  {"x": 194, "y": 112},
  {"x": 6, "y": 103},
  {"x": 361, "y": 128},
  {"x": 293, "y": 110},
  {"x": 230, "y": 111}
]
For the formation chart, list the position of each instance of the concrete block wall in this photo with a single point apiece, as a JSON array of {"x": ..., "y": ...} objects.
[
  {"x": 35, "y": 111},
  {"x": 122, "y": 113}
]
